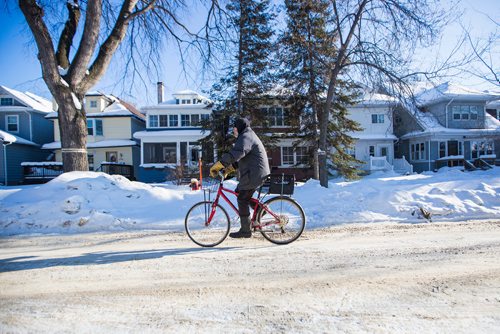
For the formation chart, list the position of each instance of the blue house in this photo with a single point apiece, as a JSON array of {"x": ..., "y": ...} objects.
[
  {"x": 23, "y": 130},
  {"x": 448, "y": 125}
]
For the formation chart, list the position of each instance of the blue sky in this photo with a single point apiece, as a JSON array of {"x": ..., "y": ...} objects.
[{"x": 20, "y": 69}]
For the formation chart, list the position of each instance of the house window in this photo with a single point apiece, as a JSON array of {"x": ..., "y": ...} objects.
[
  {"x": 153, "y": 121},
  {"x": 377, "y": 118},
  {"x": 195, "y": 119},
  {"x": 442, "y": 149},
  {"x": 90, "y": 159},
  {"x": 12, "y": 123},
  {"x": 294, "y": 156},
  {"x": 351, "y": 151},
  {"x": 163, "y": 121},
  {"x": 481, "y": 148},
  {"x": 160, "y": 153},
  {"x": 417, "y": 151},
  {"x": 173, "y": 120},
  {"x": 94, "y": 127},
  {"x": 185, "y": 120},
  {"x": 186, "y": 101},
  {"x": 465, "y": 112},
  {"x": 7, "y": 101},
  {"x": 112, "y": 156},
  {"x": 90, "y": 127},
  {"x": 205, "y": 117},
  {"x": 371, "y": 151},
  {"x": 98, "y": 127},
  {"x": 93, "y": 104},
  {"x": 276, "y": 116},
  {"x": 287, "y": 155}
]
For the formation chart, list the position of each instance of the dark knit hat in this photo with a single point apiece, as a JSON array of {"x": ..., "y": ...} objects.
[{"x": 241, "y": 124}]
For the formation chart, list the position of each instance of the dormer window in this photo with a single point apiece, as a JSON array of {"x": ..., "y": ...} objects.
[
  {"x": 93, "y": 104},
  {"x": 186, "y": 101},
  {"x": 7, "y": 101},
  {"x": 464, "y": 112}
]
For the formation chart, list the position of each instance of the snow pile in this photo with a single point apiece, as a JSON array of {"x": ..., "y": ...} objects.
[
  {"x": 449, "y": 195},
  {"x": 85, "y": 202}
]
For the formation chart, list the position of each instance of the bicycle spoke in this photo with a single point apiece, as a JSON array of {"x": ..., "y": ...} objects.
[{"x": 202, "y": 232}]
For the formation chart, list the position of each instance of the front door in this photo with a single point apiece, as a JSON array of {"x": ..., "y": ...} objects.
[
  {"x": 383, "y": 151},
  {"x": 194, "y": 154}
]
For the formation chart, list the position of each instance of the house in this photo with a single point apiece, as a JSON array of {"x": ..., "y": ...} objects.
[
  {"x": 493, "y": 108},
  {"x": 448, "y": 126},
  {"x": 111, "y": 123},
  {"x": 23, "y": 130},
  {"x": 375, "y": 143},
  {"x": 172, "y": 136}
]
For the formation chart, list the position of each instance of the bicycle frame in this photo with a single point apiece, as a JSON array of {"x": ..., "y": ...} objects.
[{"x": 256, "y": 204}]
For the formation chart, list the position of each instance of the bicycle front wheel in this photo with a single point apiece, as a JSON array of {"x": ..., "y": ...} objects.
[
  {"x": 282, "y": 220},
  {"x": 203, "y": 233}
]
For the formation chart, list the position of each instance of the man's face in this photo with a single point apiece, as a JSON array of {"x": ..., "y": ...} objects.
[{"x": 235, "y": 131}]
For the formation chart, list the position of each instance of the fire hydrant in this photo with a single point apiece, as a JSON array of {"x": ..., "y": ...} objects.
[{"x": 195, "y": 184}]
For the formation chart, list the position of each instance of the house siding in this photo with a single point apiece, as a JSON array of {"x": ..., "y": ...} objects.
[
  {"x": 443, "y": 111},
  {"x": 404, "y": 123},
  {"x": 24, "y": 124},
  {"x": 16, "y": 154},
  {"x": 44, "y": 129}
]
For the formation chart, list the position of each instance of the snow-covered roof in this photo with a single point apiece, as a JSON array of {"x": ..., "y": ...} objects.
[
  {"x": 368, "y": 136},
  {"x": 10, "y": 138},
  {"x": 431, "y": 126},
  {"x": 448, "y": 91},
  {"x": 377, "y": 99},
  {"x": 30, "y": 100},
  {"x": 493, "y": 104},
  {"x": 116, "y": 109},
  {"x": 98, "y": 144},
  {"x": 176, "y": 133},
  {"x": 186, "y": 92}
]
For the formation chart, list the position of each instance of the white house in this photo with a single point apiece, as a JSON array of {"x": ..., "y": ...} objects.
[
  {"x": 375, "y": 143},
  {"x": 173, "y": 133}
]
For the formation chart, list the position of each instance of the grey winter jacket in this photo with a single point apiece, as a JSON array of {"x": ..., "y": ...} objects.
[{"x": 251, "y": 156}]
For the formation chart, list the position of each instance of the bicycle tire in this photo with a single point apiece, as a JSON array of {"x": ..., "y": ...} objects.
[
  {"x": 291, "y": 212},
  {"x": 199, "y": 232}
]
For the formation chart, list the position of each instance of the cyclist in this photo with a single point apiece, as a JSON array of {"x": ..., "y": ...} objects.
[{"x": 249, "y": 154}]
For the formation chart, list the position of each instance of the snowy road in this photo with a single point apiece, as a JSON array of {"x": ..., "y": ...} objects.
[{"x": 381, "y": 278}]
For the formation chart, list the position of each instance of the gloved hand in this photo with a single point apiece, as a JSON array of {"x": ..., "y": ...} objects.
[
  {"x": 216, "y": 167},
  {"x": 229, "y": 169}
]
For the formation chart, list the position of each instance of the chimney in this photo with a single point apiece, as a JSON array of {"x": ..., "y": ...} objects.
[{"x": 159, "y": 86}]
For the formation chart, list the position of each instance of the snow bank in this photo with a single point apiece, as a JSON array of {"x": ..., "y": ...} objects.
[{"x": 86, "y": 202}]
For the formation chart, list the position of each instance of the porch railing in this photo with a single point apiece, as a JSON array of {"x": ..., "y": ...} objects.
[
  {"x": 39, "y": 172},
  {"x": 403, "y": 166},
  {"x": 113, "y": 168},
  {"x": 379, "y": 163}
]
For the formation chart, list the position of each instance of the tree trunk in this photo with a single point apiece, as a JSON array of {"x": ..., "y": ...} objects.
[{"x": 72, "y": 124}]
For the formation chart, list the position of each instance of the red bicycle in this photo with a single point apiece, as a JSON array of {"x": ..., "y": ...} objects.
[{"x": 280, "y": 219}]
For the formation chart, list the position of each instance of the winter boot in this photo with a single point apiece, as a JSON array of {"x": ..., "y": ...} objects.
[{"x": 245, "y": 231}]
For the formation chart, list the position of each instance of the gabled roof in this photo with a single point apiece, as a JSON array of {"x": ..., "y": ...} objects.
[
  {"x": 30, "y": 100},
  {"x": 431, "y": 125},
  {"x": 10, "y": 138},
  {"x": 116, "y": 109},
  {"x": 448, "y": 91}
]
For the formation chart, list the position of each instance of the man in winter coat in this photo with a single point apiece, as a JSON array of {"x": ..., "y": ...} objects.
[{"x": 253, "y": 168}]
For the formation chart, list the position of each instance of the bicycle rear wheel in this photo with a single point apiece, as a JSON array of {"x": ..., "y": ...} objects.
[
  {"x": 282, "y": 221},
  {"x": 207, "y": 235}
]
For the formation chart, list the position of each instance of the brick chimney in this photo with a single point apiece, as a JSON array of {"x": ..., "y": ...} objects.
[{"x": 159, "y": 88}]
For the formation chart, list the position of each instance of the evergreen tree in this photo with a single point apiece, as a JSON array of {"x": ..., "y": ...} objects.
[
  {"x": 246, "y": 79},
  {"x": 305, "y": 49}
]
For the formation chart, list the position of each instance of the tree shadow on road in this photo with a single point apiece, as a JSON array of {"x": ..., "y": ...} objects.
[{"x": 32, "y": 262}]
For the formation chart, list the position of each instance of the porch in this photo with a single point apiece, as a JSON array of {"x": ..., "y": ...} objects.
[{"x": 41, "y": 172}]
